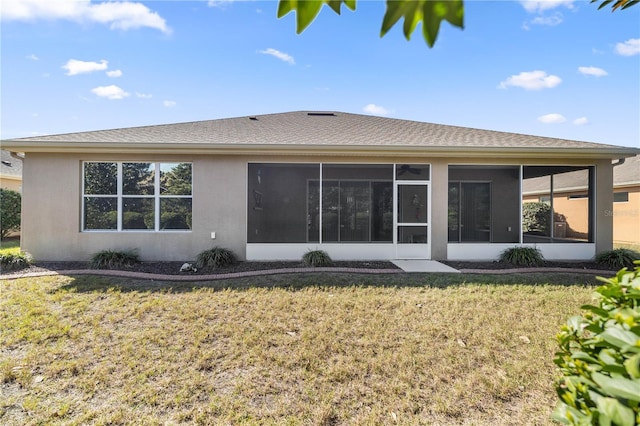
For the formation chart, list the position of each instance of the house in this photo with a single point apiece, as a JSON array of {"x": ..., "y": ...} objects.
[
  {"x": 10, "y": 172},
  {"x": 570, "y": 201},
  {"x": 274, "y": 186}
]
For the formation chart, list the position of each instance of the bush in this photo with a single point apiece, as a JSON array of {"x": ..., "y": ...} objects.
[
  {"x": 14, "y": 261},
  {"x": 599, "y": 357},
  {"x": 317, "y": 258},
  {"x": 618, "y": 258},
  {"x": 522, "y": 256},
  {"x": 114, "y": 259},
  {"x": 536, "y": 217},
  {"x": 10, "y": 207},
  {"x": 216, "y": 257}
]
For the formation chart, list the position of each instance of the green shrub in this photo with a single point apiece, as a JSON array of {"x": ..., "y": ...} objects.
[
  {"x": 14, "y": 261},
  {"x": 317, "y": 258},
  {"x": 618, "y": 258},
  {"x": 10, "y": 205},
  {"x": 114, "y": 259},
  {"x": 536, "y": 217},
  {"x": 599, "y": 357},
  {"x": 216, "y": 257},
  {"x": 522, "y": 256}
]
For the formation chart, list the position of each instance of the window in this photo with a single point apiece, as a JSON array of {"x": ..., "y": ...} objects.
[
  {"x": 620, "y": 197},
  {"x": 136, "y": 196}
]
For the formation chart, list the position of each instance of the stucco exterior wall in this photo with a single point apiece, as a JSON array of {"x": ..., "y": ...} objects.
[
  {"x": 626, "y": 219},
  {"x": 52, "y": 210},
  {"x": 52, "y": 204},
  {"x": 11, "y": 183},
  {"x": 604, "y": 206}
]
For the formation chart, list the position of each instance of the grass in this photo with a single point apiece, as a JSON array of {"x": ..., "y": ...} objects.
[
  {"x": 346, "y": 350},
  {"x": 10, "y": 246}
]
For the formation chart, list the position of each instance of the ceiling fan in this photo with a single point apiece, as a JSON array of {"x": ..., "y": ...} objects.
[{"x": 407, "y": 168}]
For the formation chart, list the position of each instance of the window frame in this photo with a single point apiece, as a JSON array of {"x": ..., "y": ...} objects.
[{"x": 120, "y": 197}]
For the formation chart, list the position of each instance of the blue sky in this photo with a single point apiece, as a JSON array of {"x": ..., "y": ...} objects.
[{"x": 557, "y": 68}]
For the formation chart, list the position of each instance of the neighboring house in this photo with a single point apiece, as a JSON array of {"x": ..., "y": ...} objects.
[
  {"x": 570, "y": 201},
  {"x": 10, "y": 172},
  {"x": 275, "y": 186}
]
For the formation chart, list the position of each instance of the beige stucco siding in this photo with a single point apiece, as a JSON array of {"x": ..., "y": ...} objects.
[
  {"x": 439, "y": 203},
  {"x": 626, "y": 218},
  {"x": 53, "y": 183},
  {"x": 52, "y": 204},
  {"x": 12, "y": 183}
]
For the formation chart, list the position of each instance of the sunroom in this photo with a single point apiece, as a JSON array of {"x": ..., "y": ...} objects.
[{"x": 353, "y": 211}]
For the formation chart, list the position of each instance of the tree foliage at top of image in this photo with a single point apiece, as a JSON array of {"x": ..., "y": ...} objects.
[
  {"x": 430, "y": 13},
  {"x": 617, "y": 4}
]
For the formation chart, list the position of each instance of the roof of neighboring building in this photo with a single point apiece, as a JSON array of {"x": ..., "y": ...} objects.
[
  {"x": 303, "y": 130},
  {"x": 625, "y": 174},
  {"x": 11, "y": 167}
]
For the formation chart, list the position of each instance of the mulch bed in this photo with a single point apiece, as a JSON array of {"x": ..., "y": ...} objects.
[
  {"x": 495, "y": 265},
  {"x": 173, "y": 268}
]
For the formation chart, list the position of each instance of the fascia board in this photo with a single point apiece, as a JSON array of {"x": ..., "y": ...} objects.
[{"x": 336, "y": 150}]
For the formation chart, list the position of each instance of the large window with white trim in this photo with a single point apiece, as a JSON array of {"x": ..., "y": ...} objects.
[{"x": 136, "y": 196}]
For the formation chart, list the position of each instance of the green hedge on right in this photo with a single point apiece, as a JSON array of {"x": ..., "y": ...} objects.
[{"x": 599, "y": 357}]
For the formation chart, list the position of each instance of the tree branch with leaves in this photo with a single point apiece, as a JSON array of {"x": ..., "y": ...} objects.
[{"x": 430, "y": 13}]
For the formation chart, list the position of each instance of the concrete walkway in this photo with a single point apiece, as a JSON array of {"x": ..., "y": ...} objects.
[{"x": 423, "y": 266}]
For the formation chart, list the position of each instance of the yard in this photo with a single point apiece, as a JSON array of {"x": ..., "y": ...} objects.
[{"x": 340, "y": 349}]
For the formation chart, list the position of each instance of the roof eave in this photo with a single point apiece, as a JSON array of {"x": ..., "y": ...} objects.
[{"x": 340, "y": 150}]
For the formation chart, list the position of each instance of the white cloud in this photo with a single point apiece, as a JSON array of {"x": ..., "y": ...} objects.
[
  {"x": 114, "y": 73},
  {"x": 376, "y": 110},
  {"x": 594, "y": 71},
  {"x": 123, "y": 15},
  {"x": 110, "y": 92},
  {"x": 219, "y": 3},
  {"x": 144, "y": 95},
  {"x": 531, "y": 80},
  {"x": 581, "y": 121},
  {"x": 32, "y": 57},
  {"x": 280, "y": 55},
  {"x": 548, "y": 21},
  {"x": 538, "y": 6},
  {"x": 629, "y": 48},
  {"x": 169, "y": 104},
  {"x": 552, "y": 118},
  {"x": 74, "y": 66}
]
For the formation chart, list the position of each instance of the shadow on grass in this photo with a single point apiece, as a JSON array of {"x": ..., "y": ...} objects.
[{"x": 294, "y": 281}]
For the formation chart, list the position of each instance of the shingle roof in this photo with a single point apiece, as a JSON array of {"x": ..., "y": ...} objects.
[
  {"x": 304, "y": 129},
  {"x": 627, "y": 173},
  {"x": 10, "y": 167}
]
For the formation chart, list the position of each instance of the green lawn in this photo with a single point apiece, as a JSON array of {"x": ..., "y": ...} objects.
[
  {"x": 343, "y": 351},
  {"x": 10, "y": 246}
]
